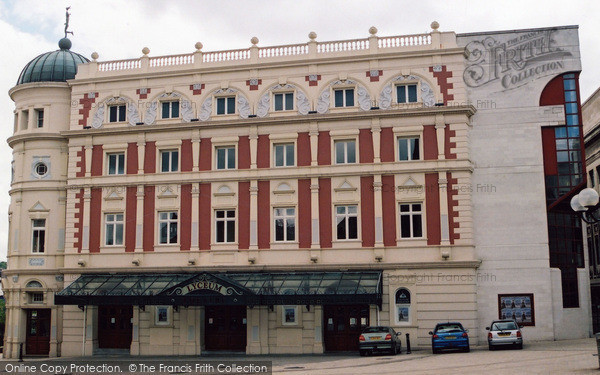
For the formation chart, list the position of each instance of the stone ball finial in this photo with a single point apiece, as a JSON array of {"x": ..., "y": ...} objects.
[
  {"x": 312, "y": 35},
  {"x": 65, "y": 44},
  {"x": 435, "y": 25},
  {"x": 145, "y": 51},
  {"x": 95, "y": 56},
  {"x": 373, "y": 30},
  {"x": 198, "y": 46},
  {"x": 254, "y": 40}
]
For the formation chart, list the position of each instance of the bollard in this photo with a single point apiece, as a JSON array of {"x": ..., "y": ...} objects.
[
  {"x": 21, "y": 352},
  {"x": 407, "y": 343}
]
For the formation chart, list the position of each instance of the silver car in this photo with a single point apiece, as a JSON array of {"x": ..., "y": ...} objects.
[
  {"x": 375, "y": 339},
  {"x": 503, "y": 333}
]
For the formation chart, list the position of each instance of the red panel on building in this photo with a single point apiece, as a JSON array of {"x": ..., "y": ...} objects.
[
  {"x": 365, "y": 149},
  {"x": 148, "y": 240},
  {"x": 78, "y": 220},
  {"x": 264, "y": 214},
  {"x": 205, "y": 215},
  {"x": 549, "y": 149},
  {"x": 185, "y": 241},
  {"x": 95, "y": 219},
  {"x": 553, "y": 93},
  {"x": 430, "y": 145},
  {"x": 448, "y": 145},
  {"x": 367, "y": 208},
  {"x": 389, "y": 210},
  {"x": 150, "y": 158},
  {"x": 244, "y": 215},
  {"x": 205, "y": 163},
  {"x": 187, "y": 160},
  {"x": 130, "y": 218},
  {"x": 81, "y": 163},
  {"x": 325, "y": 212},
  {"x": 453, "y": 223},
  {"x": 304, "y": 214},
  {"x": 387, "y": 145},
  {"x": 97, "y": 156},
  {"x": 432, "y": 204},
  {"x": 244, "y": 152},
  {"x": 132, "y": 158},
  {"x": 263, "y": 157},
  {"x": 304, "y": 155},
  {"x": 324, "y": 148}
]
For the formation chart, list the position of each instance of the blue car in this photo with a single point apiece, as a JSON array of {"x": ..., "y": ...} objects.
[{"x": 449, "y": 335}]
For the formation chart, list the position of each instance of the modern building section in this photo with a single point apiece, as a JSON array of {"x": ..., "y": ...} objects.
[{"x": 280, "y": 199}]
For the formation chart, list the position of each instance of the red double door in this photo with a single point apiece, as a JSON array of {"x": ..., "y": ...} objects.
[
  {"x": 37, "y": 339},
  {"x": 343, "y": 325},
  {"x": 225, "y": 328}
]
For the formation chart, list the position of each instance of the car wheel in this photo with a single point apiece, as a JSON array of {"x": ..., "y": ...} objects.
[
  {"x": 393, "y": 350},
  {"x": 520, "y": 346},
  {"x": 468, "y": 349},
  {"x": 491, "y": 347},
  {"x": 435, "y": 351},
  {"x": 362, "y": 353}
]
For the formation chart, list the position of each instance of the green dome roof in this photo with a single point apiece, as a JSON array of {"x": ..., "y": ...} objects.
[{"x": 55, "y": 66}]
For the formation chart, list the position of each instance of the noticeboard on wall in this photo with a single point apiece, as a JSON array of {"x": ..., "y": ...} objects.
[{"x": 519, "y": 307}]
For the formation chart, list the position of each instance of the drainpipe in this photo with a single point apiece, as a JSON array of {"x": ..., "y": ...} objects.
[
  {"x": 84, "y": 328},
  {"x": 377, "y": 310}
]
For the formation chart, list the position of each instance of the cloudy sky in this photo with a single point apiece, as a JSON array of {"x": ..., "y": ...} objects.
[{"x": 118, "y": 29}]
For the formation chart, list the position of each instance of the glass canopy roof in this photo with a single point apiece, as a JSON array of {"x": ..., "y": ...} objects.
[{"x": 310, "y": 288}]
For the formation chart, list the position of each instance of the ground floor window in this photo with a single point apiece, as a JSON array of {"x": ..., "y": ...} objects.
[{"x": 402, "y": 306}]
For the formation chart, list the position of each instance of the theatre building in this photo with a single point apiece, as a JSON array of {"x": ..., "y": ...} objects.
[{"x": 280, "y": 199}]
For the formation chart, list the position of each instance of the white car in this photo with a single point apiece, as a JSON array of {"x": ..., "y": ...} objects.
[{"x": 504, "y": 333}]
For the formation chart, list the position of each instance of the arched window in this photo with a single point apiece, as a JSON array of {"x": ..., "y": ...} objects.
[
  {"x": 34, "y": 284},
  {"x": 402, "y": 306}
]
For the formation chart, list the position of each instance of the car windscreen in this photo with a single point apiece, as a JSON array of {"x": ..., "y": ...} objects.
[
  {"x": 449, "y": 328},
  {"x": 375, "y": 330},
  {"x": 504, "y": 326}
]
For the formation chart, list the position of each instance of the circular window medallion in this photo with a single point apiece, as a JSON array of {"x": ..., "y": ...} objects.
[{"x": 41, "y": 169}]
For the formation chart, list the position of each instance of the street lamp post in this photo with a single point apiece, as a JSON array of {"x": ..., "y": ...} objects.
[{"x": 585, "y": 204}]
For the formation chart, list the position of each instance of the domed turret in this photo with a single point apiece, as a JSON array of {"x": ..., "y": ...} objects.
[{"x": 55, "y": 66}]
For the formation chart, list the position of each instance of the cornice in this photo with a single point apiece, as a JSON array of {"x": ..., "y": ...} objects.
[
  {"x": 35, "y": 137},
  {"x": 466, "y": 110}
]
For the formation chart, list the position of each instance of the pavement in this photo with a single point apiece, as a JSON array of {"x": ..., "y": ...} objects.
[{"x": 543, "y": 357}]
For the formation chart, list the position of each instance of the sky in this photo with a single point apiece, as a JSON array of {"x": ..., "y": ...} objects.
[{"x": 118, "y": 29}]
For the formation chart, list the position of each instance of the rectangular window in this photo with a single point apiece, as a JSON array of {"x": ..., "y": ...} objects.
[
  {"x": 284, "y": 101},
  {"x": 226, "y": 105},
  {"x": 170, "y": 109},
  {"x": 289, "y": 315},
  {"x": 40, "y": 118},
  {"x": 117, "y": 113},
  {"x": 284, "y": 155},
  {"x": 226, "y": 157},
  {"x": 36, "y": 297},
  {"x": 346, "y": 220},
  {"x": 408, "y": 149},
  {"x": 344, "y": 97},
  {"x": 345, "y": 152},
  {"x": 38, "y": 235},
  {"x": 411, "y": 220},
  {"x": 167, "y": 227},
  {"x": 169, "y": 161},
  {"x": 285, "y": 224},
  {"x": 225, "y": 226},
  {"x": 406, "y": 93},
  {"x": 114, "y": 229},
  {"x": 116, "y": 163}
]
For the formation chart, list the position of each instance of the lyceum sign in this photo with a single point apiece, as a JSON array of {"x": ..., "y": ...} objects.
[{"x": 513, "y": 62}]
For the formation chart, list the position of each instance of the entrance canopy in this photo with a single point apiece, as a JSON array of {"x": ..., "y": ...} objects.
[{"x": 208, "y": 289}]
